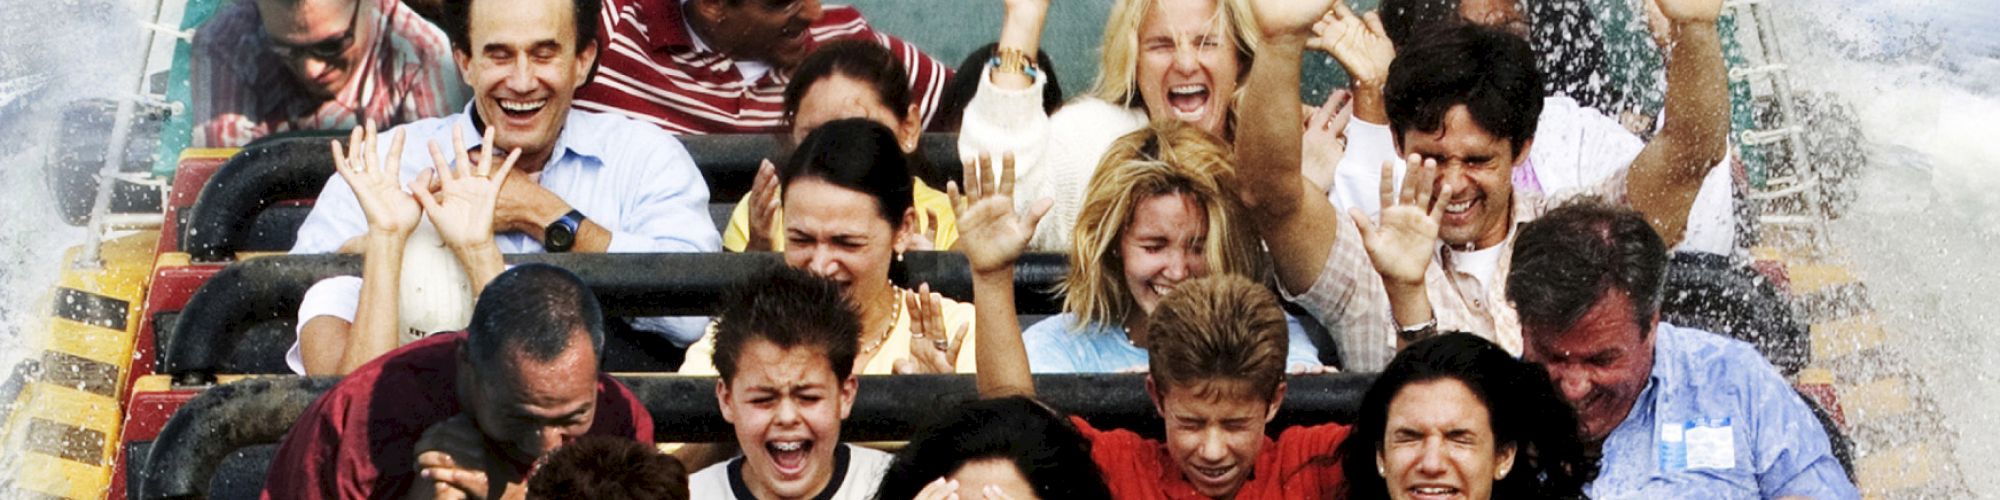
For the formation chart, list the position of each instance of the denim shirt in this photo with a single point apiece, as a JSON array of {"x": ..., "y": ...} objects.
[{"x": 1717, "y": 421}]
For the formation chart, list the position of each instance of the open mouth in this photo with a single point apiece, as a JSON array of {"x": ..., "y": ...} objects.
[
  {"x": 1212, "y": 476},
  {"x": 1161, "y": 290},
  {"x": 1433, "y": 492},
  {"x": 1189, "y": 102},
  {"x": 522, "y": 109},
  {"x": 1457, "y": 212},
  {"x": 789, "y": 456}
]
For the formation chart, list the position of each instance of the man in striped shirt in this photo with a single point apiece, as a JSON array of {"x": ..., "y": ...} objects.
[
  {"x": 720, "y": 66},
  {"x": 261, "y": 67}
]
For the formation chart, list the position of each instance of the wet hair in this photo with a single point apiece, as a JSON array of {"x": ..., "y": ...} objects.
[
  {"x": 860, "y": 155},
  {"x": 793, "y": 309},
  {"x": 1047, "y": 450},
  {"x": 457, "y": 23},
  {"x": 1219, "y": 328},
  {"x": 1168, "y": 157},
  {"x": 965, "y": 84},
  {"x": 1565, "y": 35},
  {"x": 609, "y": 468},
  {"x": 1490, "y": 72},
  {"x": 1523, "y": 408},
  {"x": 533, "y": 310},
  {"x": 1567, "y": 259}
]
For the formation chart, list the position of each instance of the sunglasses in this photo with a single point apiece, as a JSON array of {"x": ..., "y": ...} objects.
[{"x": 329, "y": 50}]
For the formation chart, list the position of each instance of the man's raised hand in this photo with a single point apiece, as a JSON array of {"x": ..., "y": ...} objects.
[
  {"x": 990, "y": 233},
  {"x": 1358, "y": 41},
  {"x": 1689, "y": 11},
  {"x": 1289, "y": 17},
  {"x": 389, "y": 210},
  {"x": 462, "y": 209},
  {"x": 1401, "y": 244}
]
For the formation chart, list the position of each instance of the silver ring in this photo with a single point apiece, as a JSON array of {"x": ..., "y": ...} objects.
[{"x": 941, "y": 344}]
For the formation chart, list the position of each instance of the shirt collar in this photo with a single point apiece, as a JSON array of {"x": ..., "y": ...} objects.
[
  {"x": 670, "y": 25},
  {"x": 573, "y": 140}
]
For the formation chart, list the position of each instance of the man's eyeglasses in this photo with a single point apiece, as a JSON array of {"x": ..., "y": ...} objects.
[{"x": 330, "y": 50}]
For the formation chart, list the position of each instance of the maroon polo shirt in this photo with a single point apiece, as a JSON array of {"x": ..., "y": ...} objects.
[{"x": 359, "y": 439}]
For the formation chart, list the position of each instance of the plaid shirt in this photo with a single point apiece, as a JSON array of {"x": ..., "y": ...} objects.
[
  {"x": 242, "y": 91},
  {"x": 653, "y": 70},
  {"x": 1350, "y": 299}
]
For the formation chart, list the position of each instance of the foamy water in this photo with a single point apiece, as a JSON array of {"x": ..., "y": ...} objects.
[{"x": 1923, "y": 77}]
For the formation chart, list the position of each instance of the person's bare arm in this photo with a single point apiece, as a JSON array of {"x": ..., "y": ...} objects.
[
  {"x": 993, "y": 236},
  {"x": 463, "y": 207},
  {"x": 1021, "y": 30},
  {"x": 392, "y": 215},
  {"x": 1668, "y": 173},
  {"x": 1296, "y": 222}
]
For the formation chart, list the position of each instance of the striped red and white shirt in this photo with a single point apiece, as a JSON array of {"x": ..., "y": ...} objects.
[
  {"x": 653, "y": 70},
  {"x": 240, "y": 91}
]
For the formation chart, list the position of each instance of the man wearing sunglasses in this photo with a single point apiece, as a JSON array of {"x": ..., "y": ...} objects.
[
  {"x": 261, "y": 67},
  {"x": 720, "y": 66}
]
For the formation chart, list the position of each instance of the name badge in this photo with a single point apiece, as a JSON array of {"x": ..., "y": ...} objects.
[{"x": 1707, "y": 443}]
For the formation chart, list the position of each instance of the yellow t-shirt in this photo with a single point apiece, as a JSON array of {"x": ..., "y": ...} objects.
[
  {"x": 701, "y": 355},
  {"x": 928, "y": 202}
]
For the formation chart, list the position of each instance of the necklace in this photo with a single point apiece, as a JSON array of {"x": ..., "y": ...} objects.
[{"x": 895, "y": 311}]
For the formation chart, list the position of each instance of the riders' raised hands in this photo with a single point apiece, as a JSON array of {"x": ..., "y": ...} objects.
[
  {"x": 390, "y": 211},
  {"x": 932, "y": 349},
  {"x": 462, "y": 207},
  {"x": 1359, "y": 42},
  {"x": 1289, "y": 17},
  {"x": 990, "y": 233},
  {"x": 1402, "y": 242}
]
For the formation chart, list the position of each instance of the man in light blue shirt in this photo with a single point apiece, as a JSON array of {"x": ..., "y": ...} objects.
[
  {"x": 1676, "y": 412},
  {"x": 584, "y": 182}
]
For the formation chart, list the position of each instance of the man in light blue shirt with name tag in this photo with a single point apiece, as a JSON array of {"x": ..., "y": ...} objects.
[{"x": 1676, "y": 412}]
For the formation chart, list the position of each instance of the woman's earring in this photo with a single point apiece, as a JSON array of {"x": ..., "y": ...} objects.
[{"x": 899, "y": 256}]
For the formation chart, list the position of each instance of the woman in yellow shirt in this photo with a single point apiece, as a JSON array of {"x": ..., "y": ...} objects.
[
  {"x": 848, "y": 192},
  {"x": 845, "y": 79}
]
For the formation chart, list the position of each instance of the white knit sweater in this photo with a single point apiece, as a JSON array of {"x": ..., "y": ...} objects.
[{"x": 1054, "y": 155}]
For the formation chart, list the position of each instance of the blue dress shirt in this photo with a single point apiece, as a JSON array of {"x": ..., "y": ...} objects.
[
  {"x": 628, "y": 177},
  {"x": 1056, "y": 345},
  {"x": 1717, "y": 421}
]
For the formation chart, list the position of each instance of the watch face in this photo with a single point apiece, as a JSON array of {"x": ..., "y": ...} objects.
[{"x": 560, "y": 237}]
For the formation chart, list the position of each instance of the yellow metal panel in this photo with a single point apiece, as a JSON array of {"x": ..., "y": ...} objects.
[
  {"x": 176, "y": 259},
  {"x": 61, "y": 478},
  {"x": 101, "y": 344},
  {"x": 208, "y": 153},
  {"x": 153, "y": 383}
]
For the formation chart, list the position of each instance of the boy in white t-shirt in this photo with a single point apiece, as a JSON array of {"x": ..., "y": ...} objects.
[{"x": 784, "y": 346}]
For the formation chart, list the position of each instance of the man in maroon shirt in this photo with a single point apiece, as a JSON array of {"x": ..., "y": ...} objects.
[{"x": 462, "y": 415}]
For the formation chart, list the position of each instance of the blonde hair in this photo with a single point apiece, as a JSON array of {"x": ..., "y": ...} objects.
[
  {"x": 1118, "y": 61},
  {"x": 1220, "y": 333},
  {"x": 1168, "y": 157}
]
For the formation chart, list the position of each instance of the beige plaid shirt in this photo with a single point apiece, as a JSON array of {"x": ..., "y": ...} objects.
[{"x": 1349, "y": 297}]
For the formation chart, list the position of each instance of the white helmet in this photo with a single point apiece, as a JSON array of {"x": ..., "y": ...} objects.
[{"x": 435, "y": 294}]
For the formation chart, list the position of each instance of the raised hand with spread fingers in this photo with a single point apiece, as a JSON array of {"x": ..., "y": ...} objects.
[
  {"x": 932, "y": 348},
  {"x": 1402, "y": 242},
  {"x": 992, "y": 235},
  {"x": 462, "y": 208},
  {"x": 1363, "y": 48},
  {"x": 390, "y": 211}
]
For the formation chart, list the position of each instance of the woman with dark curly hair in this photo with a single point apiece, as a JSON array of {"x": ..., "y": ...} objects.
[
  {"x": 1457, "y": 415},
  {"x": 1012, "y": 445}
]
